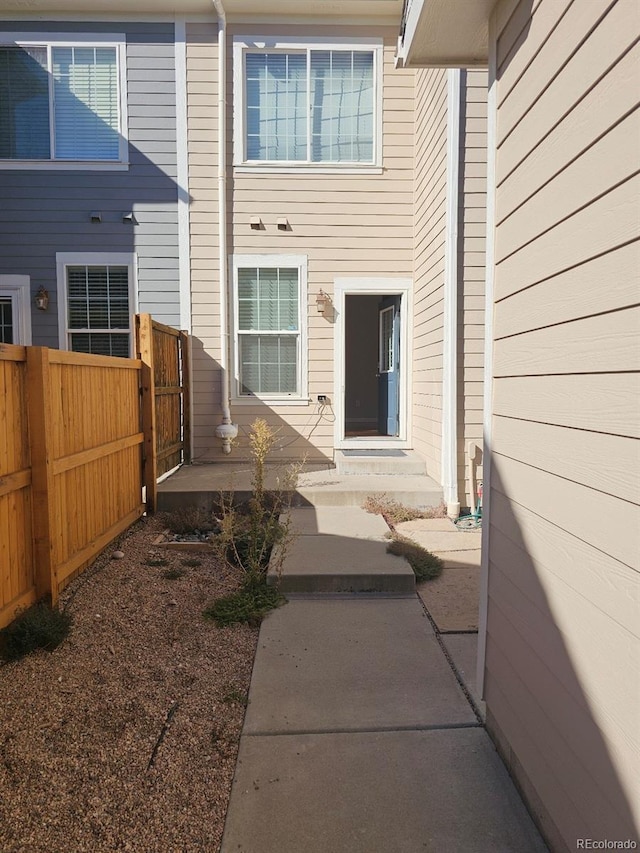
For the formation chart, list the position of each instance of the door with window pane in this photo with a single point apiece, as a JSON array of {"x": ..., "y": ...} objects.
[{"x": 98, "y": 309}]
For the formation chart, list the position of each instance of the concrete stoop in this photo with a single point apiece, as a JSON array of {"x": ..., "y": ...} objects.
[
  {"x": 318, "y": 485},
  {"x": 338, "y": 551},
  {"x": 393, "y": 462}
]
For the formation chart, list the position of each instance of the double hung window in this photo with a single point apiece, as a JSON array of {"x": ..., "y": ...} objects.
[
  {"x": 308, "y": 104},
  {"x": 96, "y": 304},
  {"x": 269, "y": 310},
  {"x": 61, "y": 101}
]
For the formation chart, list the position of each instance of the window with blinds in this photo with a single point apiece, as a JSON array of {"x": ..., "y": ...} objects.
[
  {"x": 6, "y": 320},
  {"x": 98, "y": 309},
  {"x": 60, "y": 103},
  {"x": 268, "y": 331},
  {"x": 308, "y": 105}
]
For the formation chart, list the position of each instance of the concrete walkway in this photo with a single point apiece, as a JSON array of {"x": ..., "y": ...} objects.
[{"x": 359, "y": 736}]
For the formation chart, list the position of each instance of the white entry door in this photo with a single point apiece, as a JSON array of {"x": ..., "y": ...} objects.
[{"x": 15, "y": 310}]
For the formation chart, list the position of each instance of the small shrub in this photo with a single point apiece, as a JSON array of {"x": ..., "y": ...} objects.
[
  {"x": 191, "y": 562},
  {"x": 249, "y": 605},
  {"x": 247, "y": 533},
  {"x": 235, "y": 696},
  {"x": 395, "y": 512},
  {"x": 173, "y": 574},
  {"x": 38, "y": 627},
  {"x": 426, "y": 566}
]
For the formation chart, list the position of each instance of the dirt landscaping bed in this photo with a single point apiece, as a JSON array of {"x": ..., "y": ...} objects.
[{"x": 125, "y": 737}]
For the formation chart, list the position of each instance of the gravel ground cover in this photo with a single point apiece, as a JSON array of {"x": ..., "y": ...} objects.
[{"x": 125, "y": 737}]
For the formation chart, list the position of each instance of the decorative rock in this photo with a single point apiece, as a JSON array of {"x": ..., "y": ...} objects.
[{"x": 117, "y": 555}]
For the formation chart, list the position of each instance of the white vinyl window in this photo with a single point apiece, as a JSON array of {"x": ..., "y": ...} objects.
[
  {"x": 270, "y": 326},
  {"x": 96, "y": 303},
  {"x": 61, "y": 102},
  {"x": 306, "y": 104}
]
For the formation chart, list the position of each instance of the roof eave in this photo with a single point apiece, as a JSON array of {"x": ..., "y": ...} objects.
[{"x": 444, "y": 33}]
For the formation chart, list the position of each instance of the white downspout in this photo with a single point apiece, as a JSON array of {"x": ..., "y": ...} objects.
[
  {"x": 487, "y": 421},
  {"x": 450, "y": 352},
  {"x": 227, "y": 430}
]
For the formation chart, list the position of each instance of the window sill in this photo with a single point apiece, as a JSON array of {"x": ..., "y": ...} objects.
[
  {"x": 307, "y": 169},
  {"x": 66, "y": 165},
  {"x": 270, "y": 401}
]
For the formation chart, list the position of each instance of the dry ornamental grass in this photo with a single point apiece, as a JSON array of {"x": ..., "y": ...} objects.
[{"x": 125, "y": 737}]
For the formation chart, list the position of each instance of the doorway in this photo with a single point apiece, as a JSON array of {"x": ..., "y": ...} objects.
[
  {"x": 371, "y": 351},
  {"x": 372, "y": 366}
]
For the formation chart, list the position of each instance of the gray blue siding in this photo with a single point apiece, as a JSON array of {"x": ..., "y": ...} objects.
[{"x": 43, "y": 212}]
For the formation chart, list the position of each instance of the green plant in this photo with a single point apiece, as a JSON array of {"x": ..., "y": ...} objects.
[
  {"x": 426, "y": 566},
  {"x": 235, "y": 696},
  {"x": 173, "y": 574},
  {"x": 247, "y": 534},
  {"x": 156, "y": 561},
  {"x": 249, "y": 604},
  {"x": 38, "y": 627},
  {"x": 395, "y": 512},
  {"x": 191, "y": 562}
]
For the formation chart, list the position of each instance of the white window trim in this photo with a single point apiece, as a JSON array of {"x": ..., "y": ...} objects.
[
  {"x": 241, "y": 44},
  {"x": 301, "y": 262},
  {"x": 344, "y": 287},
  {"x": 18, "y": 287},
  {"x": 70, "y": 259},
  {"x": 116, "y": 40}
]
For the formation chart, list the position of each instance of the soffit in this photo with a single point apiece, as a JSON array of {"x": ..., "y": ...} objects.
[{"x": 445, "y": 33}]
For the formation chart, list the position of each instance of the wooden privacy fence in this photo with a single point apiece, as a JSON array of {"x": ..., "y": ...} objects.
[{"x": 76, "y": 437}]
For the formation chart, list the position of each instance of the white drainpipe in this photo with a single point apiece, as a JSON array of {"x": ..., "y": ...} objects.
[
  {"x": 227, "y": 430},
  {"x": 450, "y": 353}
]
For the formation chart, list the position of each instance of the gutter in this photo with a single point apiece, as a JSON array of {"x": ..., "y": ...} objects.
[{"x": 226, "y": 430}]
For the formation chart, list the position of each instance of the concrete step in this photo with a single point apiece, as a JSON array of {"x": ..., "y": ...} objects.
[
  {"x": 339, "y": 550},
  {"x": 333, "y": 489},
  {"x": 318, "y": 485},
  {"x": 392, "y": 461}
]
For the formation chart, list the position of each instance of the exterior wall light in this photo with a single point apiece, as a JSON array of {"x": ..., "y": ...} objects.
[
  {"x": 322, "y": 302},
  {"x": 42, "y": 299}
]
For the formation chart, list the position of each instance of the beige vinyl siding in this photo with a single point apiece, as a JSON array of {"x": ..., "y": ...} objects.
[
  {"x": 202, "y": 136},
  {"x": 347, "y": 224},
  {"x": 471, "y": 276},
  {"x": 562, "y": 677},
  {"x": 429, "y": 264}
]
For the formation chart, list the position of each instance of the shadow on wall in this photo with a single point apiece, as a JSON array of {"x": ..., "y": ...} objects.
[
  {"x": 295, "y": 437},
  {"x": 49, "y": 210},
  {"x": 556, "y": 696}
]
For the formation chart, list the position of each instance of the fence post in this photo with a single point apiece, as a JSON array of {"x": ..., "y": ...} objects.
[
  {"x": 43, "y": 510},
  {"x": 144, "y": 336},
  {"x": 185, "y": 351}
]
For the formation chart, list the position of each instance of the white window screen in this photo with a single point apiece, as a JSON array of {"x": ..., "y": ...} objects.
[
  {"x": 311, "y": 106},
  {"x": 86, "y": 103},
  {"x": 97, "y": 305},
  {"x": 268, "y": 330},
  {"x": 77, "y": 86}
]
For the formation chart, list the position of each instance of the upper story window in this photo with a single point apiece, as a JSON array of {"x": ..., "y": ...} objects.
[
  {"x": 313, "y": 104},
  {"x": 61, "y": 102}
]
